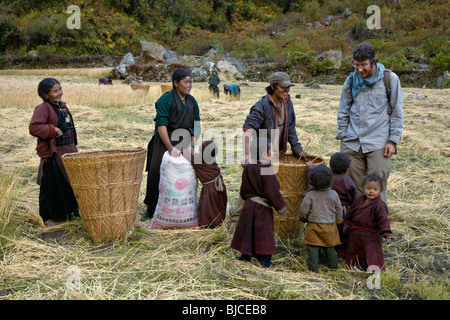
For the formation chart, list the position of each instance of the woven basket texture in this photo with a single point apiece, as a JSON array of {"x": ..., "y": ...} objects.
[
  {"x": 166, "y": 88},
  {"x": 140, "y": 87},
  {"x": 106, "y": 185},
  {"x": 292, "y": 177}
]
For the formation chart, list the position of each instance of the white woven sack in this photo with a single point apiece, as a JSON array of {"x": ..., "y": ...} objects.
[{"x": 177, "y": 202}]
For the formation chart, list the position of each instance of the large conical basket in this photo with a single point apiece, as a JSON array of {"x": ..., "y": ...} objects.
[
  {"x": 106, "y": 185},
  {"x": 293, "y": 181},
  {"x": 166, "y": 88}
]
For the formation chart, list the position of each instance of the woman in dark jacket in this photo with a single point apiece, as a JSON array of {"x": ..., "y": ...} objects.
[
  {"x": 274, "y": 113},
  {"x": 175, "y": 110},
  {"x": 52, "y": 124}
]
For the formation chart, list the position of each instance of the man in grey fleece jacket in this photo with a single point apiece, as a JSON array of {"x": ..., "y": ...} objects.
[{"x": 368, "y": 132}]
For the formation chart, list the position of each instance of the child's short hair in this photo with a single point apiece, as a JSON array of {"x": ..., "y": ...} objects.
[
  {"x": 320, "y": 177},
  {"x": 339, "y": 162},
  {"x": 258, "y": 147},
  {"x": 208, "y": 150},
  {"x": 373, "y": 177}
]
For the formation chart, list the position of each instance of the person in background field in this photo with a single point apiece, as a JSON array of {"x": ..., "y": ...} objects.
[
  {"x": 175, "y": 109},
  {"x": 233, "y": 90},
  {"x": 254, "y": 233},
  {"x": 212, "y": 204},
  {"x": 370, "y": 121},
  {"x": 105, "y": 80},
  {"x": 214, "y": 81},
  {"x": 322, "y": 210},
  {"x": 52, "y": 124},
  {"x": 368, "y": 221}
]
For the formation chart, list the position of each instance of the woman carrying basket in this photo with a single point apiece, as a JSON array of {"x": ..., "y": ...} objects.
[
  {"x": 52, "y": 124},
  {"x": 175, "y": 109}
]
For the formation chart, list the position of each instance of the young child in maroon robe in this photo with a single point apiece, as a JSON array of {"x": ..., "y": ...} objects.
[
  {"x": 346, "y": 190},
  {"x": 260, "y": 189},
  {"x": 212, "y": 204},
  {"x": 369, "y": 223}
]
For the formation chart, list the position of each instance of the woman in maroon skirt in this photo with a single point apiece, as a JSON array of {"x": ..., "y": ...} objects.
[{"x": 52, "y": 124}]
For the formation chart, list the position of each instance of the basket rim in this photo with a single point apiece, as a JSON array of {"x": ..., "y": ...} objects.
[
  {"x": 318, "y": 160},
  {"x": 108, "y": 153}
]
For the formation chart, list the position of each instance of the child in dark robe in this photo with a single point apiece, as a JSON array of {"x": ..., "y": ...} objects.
[
  {"x": 346, "y": 190},
  {"x": 369, "y": 223},
  {"x": 212, "y": 204},
  {"x": 260, "y": 190},
  {"x": 322, "y": 210}
]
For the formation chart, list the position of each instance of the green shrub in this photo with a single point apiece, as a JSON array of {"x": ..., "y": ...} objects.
[
  {"x": 302, "y": 58},
  {"x": 321, "y": 66},
  {"x": 432, "y": 45},
  {"x": 45, "y": 50},
  {"x": 397, "y": 61},
  {"x": 441, "y": 61},
  {"x": 412, "y": 51},
  {"x": 446, "y": 84},
  {"x": 312, "y": 11}
]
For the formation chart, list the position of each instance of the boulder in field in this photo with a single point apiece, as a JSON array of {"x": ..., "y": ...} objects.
[
  {"x": 154, "y": 52},
  {"x": 233, "y": 67},
  {"x": 120, "y": 72}
]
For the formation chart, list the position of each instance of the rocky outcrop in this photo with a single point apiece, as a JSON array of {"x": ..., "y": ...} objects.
[
  {"x": 156, "y": 53},
  {"x": 232, "y": 66},
  {"x": 199, "y": 74},
  {"x": 120, "y": 72},
  {"x": 333, "y": 55}
]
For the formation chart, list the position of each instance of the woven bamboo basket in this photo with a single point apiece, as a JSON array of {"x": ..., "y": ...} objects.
[
  {"x": 293, "y": 181},
  {"x": 166, "y": 88},
  {"x": 140, "y": 87},
  {"x": 106, "y": 185}
]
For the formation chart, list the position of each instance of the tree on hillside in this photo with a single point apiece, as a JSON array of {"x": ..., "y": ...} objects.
[
  {"x": 285, "y": 4},
  {"x": 179, "y": 11}
]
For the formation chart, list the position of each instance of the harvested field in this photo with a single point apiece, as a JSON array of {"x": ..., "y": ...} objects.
[{"x": 63, "y": 263}]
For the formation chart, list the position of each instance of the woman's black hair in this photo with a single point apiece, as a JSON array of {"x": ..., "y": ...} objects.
[
  {"x": 271, "y": 89},
  {"x": 373, "y": 177},
  {"x": 208, "y": 151},
  {"x": 339, "y": 162},
  {"x": 179, "y": 75},
  {"x": 258, "y": 147},
  {"x": 45, "y": 86},
  {"x": 321, "y": 177}
]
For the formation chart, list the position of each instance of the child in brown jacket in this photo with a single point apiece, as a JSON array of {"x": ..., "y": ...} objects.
[{"x": 322, "y": 210}]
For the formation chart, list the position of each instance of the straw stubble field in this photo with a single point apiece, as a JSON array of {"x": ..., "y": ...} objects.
[{"x": 63, "y": 263}]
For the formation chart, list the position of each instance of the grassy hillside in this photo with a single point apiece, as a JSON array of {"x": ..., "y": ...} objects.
[{"x": 245, "y": 28}]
